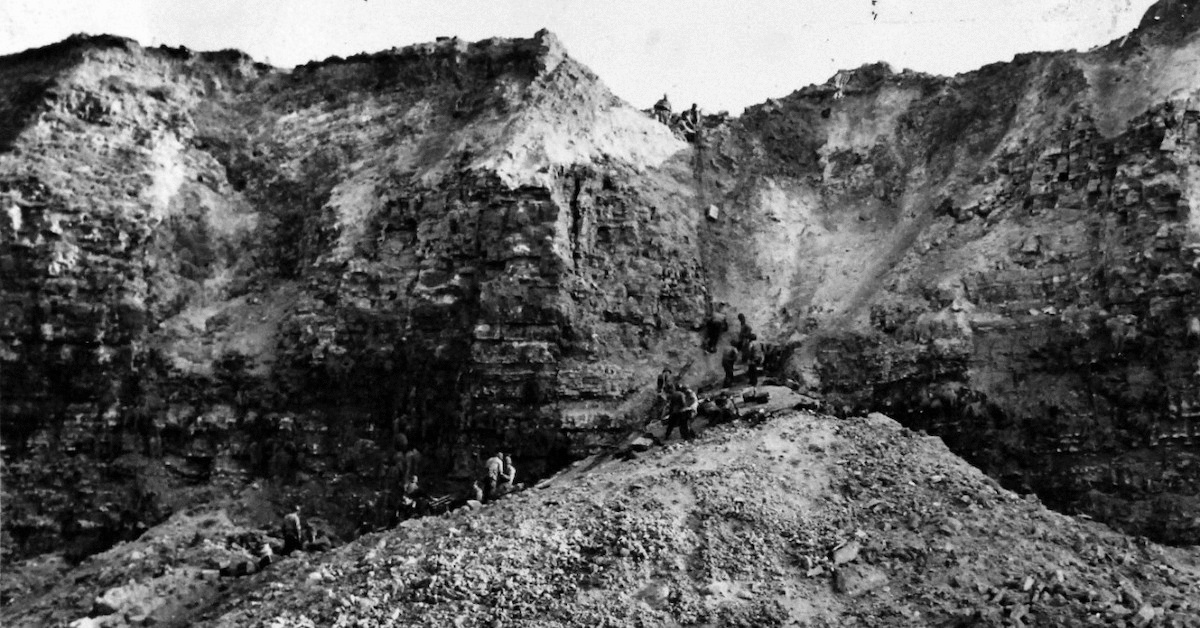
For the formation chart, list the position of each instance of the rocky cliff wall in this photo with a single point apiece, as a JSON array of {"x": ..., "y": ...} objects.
[
  {"x": 222, "y": 272},
  {"x": 1006, "y": 258}
]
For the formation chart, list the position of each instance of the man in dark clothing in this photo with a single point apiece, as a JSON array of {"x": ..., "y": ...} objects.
[
  {"x": 713, "y": 328},
  {"x": 293, "y": 531},
  {"x": 744, "y": 335},
  {"x": 728, "y": 361},
  {"x": 493, "y": 467},
  {"x": 662, "y": 110},
  {"x": 683, "y": 410},
  {"x": 689, "y": 123},
  {"x": 755, "y": 357},
  {"x": 663, "y": 390}
]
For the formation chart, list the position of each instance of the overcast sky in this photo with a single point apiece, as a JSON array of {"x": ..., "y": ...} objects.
[{"x": 725, "y": 54}]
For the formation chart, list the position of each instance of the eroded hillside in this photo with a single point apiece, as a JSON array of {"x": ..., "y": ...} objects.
[
  {"x": 221, "y": 275},
  {"x": 793, "y": 519}
]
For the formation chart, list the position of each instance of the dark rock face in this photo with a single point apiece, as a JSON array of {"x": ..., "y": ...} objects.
[
  {"x": 216, "y": 273},
  {"x": 221, "y": 272}
]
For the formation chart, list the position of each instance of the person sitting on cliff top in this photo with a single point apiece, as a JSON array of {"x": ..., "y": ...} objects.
[{"x": 662, "y": 110}]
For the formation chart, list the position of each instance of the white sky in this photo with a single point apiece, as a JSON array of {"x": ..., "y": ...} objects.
[{"x": 723, "y": 54}]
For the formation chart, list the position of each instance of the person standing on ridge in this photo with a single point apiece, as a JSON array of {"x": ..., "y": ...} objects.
[
  {"x": 662, "y": 110},
  {"x": 689, "y": 122}
]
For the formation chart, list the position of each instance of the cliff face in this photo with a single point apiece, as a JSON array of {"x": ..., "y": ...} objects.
[
  {"x": 241, "y": 272},
  {"x": 216, "y": 271},
  {"x": 1006, "y": 258}
]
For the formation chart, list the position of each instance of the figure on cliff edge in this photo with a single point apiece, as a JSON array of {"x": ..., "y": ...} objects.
[
  {"x": 689, "y": 123},
  {"x": 662, "y": 110}
]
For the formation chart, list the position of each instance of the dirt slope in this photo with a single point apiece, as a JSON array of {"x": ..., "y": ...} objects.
[{"x": 799, "y": 520}]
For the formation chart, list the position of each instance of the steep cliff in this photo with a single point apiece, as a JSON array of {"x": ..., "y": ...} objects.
[
  {"x": 241, "y": 272},
  {"x": 1007, "y": 258},
  {"x": 217, "y": 272}
]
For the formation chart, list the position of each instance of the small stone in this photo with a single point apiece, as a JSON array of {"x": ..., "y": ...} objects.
[
  {"x": 846, "y": 553},
  {"x": 1144, "y": 616}
]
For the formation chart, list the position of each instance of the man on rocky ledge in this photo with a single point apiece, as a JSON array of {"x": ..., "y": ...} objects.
[{"x": 662, "y": 110}]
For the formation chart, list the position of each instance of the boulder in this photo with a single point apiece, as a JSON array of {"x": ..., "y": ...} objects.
[{"x": 855, "y": 580}]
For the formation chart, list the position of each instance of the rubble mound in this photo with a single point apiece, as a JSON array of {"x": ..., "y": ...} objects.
[{"x": 798, "y": 520}]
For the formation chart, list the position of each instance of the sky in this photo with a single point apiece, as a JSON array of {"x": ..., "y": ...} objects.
[{"x": 721, "y": 54}]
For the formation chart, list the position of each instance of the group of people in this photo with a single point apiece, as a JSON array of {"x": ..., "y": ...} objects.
[
  {"x": 687, "y": 123},
  {"x": 299, "y": 534},
  {"x": 745, "y": 347},
  {"x": 679, "y": 404},
  {"x": 498, "y": 476}
]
